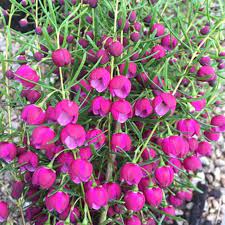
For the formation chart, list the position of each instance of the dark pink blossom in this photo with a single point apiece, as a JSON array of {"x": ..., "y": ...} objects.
[
  {"x": 120, "y": 86},
  {"x": 153, "y": 196},
  {"x": 134, "y": 200},
  {"x": 121, "y": 142},
  {"x": 28, "y": 161},
  {"x": 188, "y": 127},
  {"x": 7, "y": 151},
  {"x": 73, "y": 135},
  {"x": 164, "y": 176},
  {"x": 158, "y": 52},
  {"x": 17, "y": 189},
  {"x": 169, "y": 42},
  {"x": 113, "y": 189},
  {"x": 66, "y": 112},
  {"x": 101, "y": 106},
  {"x": 64, "y": 161},
  {"x": 131, "y": 71},
  {"x": 4, "y": 211},
  {"x": 219, "y": 123},
  {"x": 115, "y": 48},
  {"x": 192, "y": 163},
  {"x": 61, "y": 57},
  {"x": 204, "y": 148},
  {"x": 121, "y": 110},
  {"x": 133, "y": 220},
  {"x": 206, "y": 74},
  {"x": 143, "y": 108},
  {"x": 96, "y": 137},
  {"x": 212, "y": 135},
  {"x": 85, "y": 153},
  {"x": 199, "y": 105}
]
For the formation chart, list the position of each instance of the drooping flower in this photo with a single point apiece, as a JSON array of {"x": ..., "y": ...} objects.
[
  {"x": 192, "y": 163},
  {"x": 188, "y": 127},
  {"x": 28, "y": 161},
  {"x": 120, "y": 142},
  {"x": 219, "y": 123},
  {"x": 143, "y": 108},
  {"x": 164, "y": 176},
  {"x": 153, "y": 196},
  {"x": 96, "y": 137},
  {"x": 7, "y": 151},
  {"x": 169, "y": 42},
  {"x": 134, "y": 200},
  {"x": 61, "y": 57},
  {"x": 101, "y": 106}
]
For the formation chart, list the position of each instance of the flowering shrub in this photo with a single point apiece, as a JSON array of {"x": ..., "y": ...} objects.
[{"x": 116, "y": 109}]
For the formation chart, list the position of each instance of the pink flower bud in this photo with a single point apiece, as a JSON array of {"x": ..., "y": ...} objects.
[
  {"x": 121, "y": 110},
  {"x": 58, "y": 201},
  {"x": 219, "y": 123},
  {"x": 206, "y": 74},
  {"x": 32, "y": 212},
  {"x": 164, "y": 176},
  {"x": 184, "y": 195},
  {"x": 7, "y": 151},
  {"x": 131, "y": 72},
  {"x": 104, "y": 55},
  {"x": 41, "y": 137},
  {"x": 80, "y": 171},
  {"x": 121, "y": 142},
  {"x": 175, "y": 164},
  {"x": 188, "y": 127},
  {"x": 85, "y": 153},
  {"x": 66, "y": 112},
  {"x": 169, "y": 210},
  {"x": 74, "y": 215},
  {"x": 101, "y": 106},
  {"x": 33, "y": 115},
  {"x": 120, "y": 87},
  {"x": 4, "y": 211},
  {"x": 113, "y": 189},
  {"x": 44, "y": 177},
  {"x": 158, "y": 28},
  {"x": 205, "y": 30},
  {"x": 95, "y": 137},
  {"x": 199, "y": 104},
  {"x": 212, "y": 135},
  {"x": 132, "y": 16},
  {"x": 164, "y": 103},
  {"x": 17, "y": 189},
  {"x": 150, "y": 221},
  {"x": 192, "y": 163},
  {"x": 205, "y": 61},
  {"x": 131, "y": 173},
  {"x": 27, "y": 76},
  {"x": 73, "y": 135},
  {"x": 134, "y": 200},
  {"x": 99, "y": 79},
  {"x": 158, "y": 52},
  {"x": 204, "y": 148},
  {"x": 61, "y": 57},
  {"x": 28, "y": 161},
  {"x": 174, "y": 145},
  {"x": 64, "y": 161},
  {"x": 148, "y": 154},
  {"x": 175, "y": 201},
  {"x": 50, "y": 114},
  {"x": 169, "y": 42},
  {"x": 31, "y": 95},
  {"x": 144, "y": 183},
  {"x": 153, "y": 196},
  {"x": 137, "y": 26},
  {"x": 133, "y": 220},
  {"x": 96, "y": 197},
  {"x": 143, "y": 108},
  {"x": 116, "y": 48}
]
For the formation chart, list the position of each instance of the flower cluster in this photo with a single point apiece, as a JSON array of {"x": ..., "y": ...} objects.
[{"x": 119, "y": 134}]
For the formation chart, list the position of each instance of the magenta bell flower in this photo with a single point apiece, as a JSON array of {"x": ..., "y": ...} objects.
[
  {"x": 115, "y": 48},
  {"x": 219, "y": 123},
  {"x": 58, "y": 201},
  {"x": 164, "y": 103},
  {"x": 206, "y": 74},
  {"x": 132, "y": 69},
  {"x": 17, "y": 189},
  {"x": 104, "y": 55},
  {"x": 193, "y": 144},
  {"x": 64, "y": 160},
  {"x": 7, "y": 151},
  {"x": 175, "y": 201},
  {"x": 121, "y": 110},
  {"x": 101, "y": 106},
  {"x": 134, "y": 200},
  {"x": 85, "y": 153},
  {"x": 61, "y": 57},
  {"x": 204, "y": 148},
  {"x": 175, "y": 164},
  {"x": 148, "y": 153},
  {"x": 33, "y": 115},
  {"x": 158, "y": 28},
  {"x": 212, "y": 135},
  {"x": 188, "y": 127},
  {"x": 164, "y": 176},
  {"x": 27, "y": 76},
  {"x": 73, "y": 135},
  {"x": 199, "y": 105},
  {"x": 113, "y": 189},
  {"x": 28, "y": 161},
  {"x": 135, "y": 36},
  {"x": 80, "y": 170},
  {"x": 31, "y": 95},
  {"x": 192, "y": 163},
  {"x": 143, "y": 108},
  {"x": 150, "y": 221},
  {"x": 4, "y": 211},
  {"x": 50, "y": 114},
  {"x": 131, "y": 173},
  {"x": 99, "y": 79},
  {"x": 120, "y": 87},
  {"x": 133, "y": 220},
  {"x": 158, "y": 52},
  {"x": 174, "y": 145},
  {"x": 96, "y": 197},
  {"x": 95, "y": 137},
  {"x": 205, "y": 61},
  {"x": 169, "y": 42},
  {"x": 66, "y": 112},
  {"x": 44, "y": 177},
  {"x": 153, "y": 196},
  {"x": 74, "y": 215},
  {"x": 42, "y": 136},
  {"x": 121, "y": 142}
]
